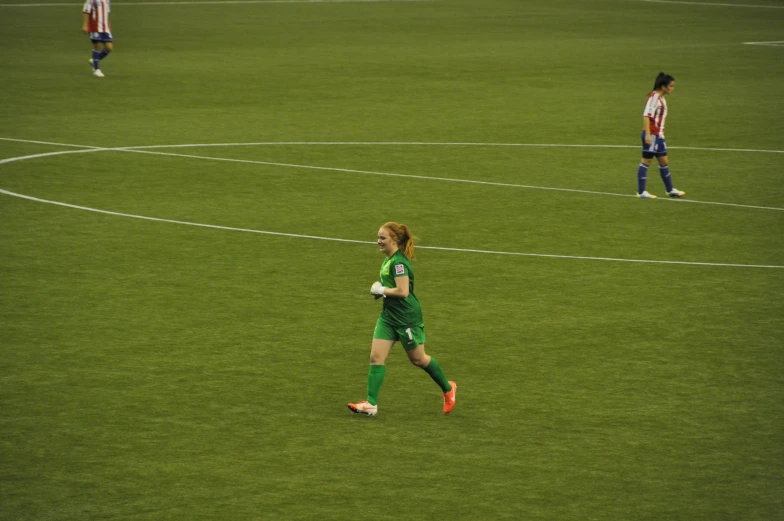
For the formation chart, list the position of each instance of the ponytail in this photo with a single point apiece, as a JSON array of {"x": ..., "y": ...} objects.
[
  {"x": 662, "y": 80},
  {"x": 403, "y": 237}
]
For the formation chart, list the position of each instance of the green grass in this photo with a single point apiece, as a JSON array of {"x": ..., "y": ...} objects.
[{"x": 161, "y": 371}]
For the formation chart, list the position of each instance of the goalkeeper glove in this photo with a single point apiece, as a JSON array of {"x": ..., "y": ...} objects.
[{"x": 377, "y": 290}]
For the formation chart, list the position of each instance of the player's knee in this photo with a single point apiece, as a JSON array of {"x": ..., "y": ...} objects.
[{"x": 419, "y": 362}]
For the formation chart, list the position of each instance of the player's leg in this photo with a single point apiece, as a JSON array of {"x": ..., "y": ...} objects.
[
  {"x": 97, "y": 46},
  {"x": 420, "y": 358},
  {"x": 383, "y": 340},
  {"x": 664, "y": 170},
  {"x": 107, "y": 48},
  {"x": 642, "y": 168},
  {"x": 642, "y": 177},
  {"x": 102, "y": 46},
  {"x": 379, "y": 351}
]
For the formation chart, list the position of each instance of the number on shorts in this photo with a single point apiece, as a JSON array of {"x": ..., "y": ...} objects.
[{"x": 410, "y": 336}]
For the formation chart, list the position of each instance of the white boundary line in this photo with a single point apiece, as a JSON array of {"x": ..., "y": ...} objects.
[{"x": 87, "y": 149}]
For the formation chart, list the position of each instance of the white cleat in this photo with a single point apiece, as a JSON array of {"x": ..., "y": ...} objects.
[
  {"x": 363, "y": 407},
  {"x": 98, "y": 73},
  {"x": 646, "y": 195},
  {"x": 676, "y": 193}
]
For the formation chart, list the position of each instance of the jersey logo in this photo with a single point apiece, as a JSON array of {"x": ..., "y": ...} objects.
[{"x": 400, "y": 269}]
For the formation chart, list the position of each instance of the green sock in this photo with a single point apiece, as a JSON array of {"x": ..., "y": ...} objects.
[
  {"x": 375, "y": 379},
  {"x": 435, "y": 372}
]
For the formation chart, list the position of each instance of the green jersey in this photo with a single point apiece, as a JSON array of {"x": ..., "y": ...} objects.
[{"x": 400, "y": 311}]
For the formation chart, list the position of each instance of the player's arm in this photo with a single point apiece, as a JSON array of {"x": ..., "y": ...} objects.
[
  {"x": 85, "y": 22},
  {"x": 646, "y": 126},
  {"x": 399, "y": 291}
]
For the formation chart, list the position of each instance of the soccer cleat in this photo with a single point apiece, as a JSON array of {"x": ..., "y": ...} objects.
[
  {"x": 646, "y": 195},
  {"x": 449, "y": 398},
  {"x": 98, "y": 73},
  {"x": 676, "y": 193},
  {"x": 363, "y": 407}
]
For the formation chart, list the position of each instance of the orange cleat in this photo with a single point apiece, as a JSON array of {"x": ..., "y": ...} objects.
[
  {"x": 364, "y": 407},
  {"x": 449, "y": 398}
]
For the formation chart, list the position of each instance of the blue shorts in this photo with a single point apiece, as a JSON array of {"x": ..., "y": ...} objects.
[
  {"x": 101, "y": 37},
  {"x": 657, "y": 148}
]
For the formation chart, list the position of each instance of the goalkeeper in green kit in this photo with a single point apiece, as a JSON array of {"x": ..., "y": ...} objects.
[{"x": 400, "y": 319}]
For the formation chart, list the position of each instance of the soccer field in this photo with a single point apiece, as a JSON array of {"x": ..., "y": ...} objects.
[{"x": 187, "y": 246}]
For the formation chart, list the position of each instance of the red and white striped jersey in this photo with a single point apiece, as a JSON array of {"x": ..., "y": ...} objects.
[
  {"x": 99, "y": 15},
  {"x": 656, "y": 112}
]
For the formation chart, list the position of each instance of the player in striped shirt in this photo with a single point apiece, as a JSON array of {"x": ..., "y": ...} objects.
[
  {"x": 95, "y": 23},
  {"x": 652, "y": 136}
]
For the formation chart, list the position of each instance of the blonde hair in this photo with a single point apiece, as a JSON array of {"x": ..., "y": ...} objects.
[{"x": 403, "y": 237}]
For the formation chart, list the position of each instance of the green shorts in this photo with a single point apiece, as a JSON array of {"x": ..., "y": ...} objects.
[{"x": 410, "y": 337}]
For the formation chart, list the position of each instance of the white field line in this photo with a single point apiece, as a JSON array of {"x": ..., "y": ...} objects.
[
  {"x": 147, "y": 150},
  {"x": 49, "y": 154},
  {"x": 769, "y": 44},
  {"x": 367, "y": 172},
  {"x": 172, "y": 221},
  {"x": 430, "y": 144},
  {"x": 85, "y": 149},
  {"x": 427, "y": 178},
  {"x": 391, "y": 143},
  {"x": 334, "y": 239},
  {"x": 46, "y": 143}
]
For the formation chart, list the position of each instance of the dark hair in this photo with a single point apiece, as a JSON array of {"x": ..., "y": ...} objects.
[{"x": 662, "y": 80}]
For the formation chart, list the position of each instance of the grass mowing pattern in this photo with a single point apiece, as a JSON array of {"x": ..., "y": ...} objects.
[{"x": 158, "y": 371}]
